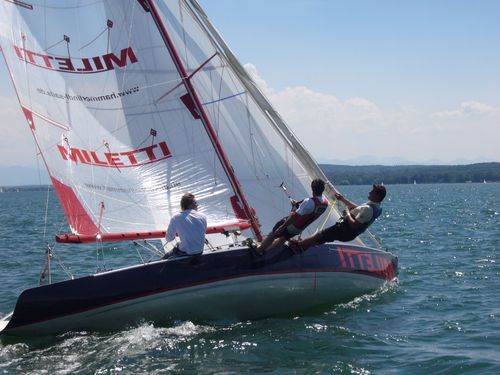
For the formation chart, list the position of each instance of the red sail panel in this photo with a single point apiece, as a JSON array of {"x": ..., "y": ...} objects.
[{"x": 78, "y": 218}]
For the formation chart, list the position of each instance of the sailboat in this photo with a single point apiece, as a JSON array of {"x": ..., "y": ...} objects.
[{"x": 131, "y": 103}]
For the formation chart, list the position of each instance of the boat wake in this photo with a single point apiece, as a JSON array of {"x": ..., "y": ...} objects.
[{"x": 388, "y": 289}]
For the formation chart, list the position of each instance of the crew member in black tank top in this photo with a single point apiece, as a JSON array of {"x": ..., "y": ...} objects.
[{"x": 356, "y": 220}]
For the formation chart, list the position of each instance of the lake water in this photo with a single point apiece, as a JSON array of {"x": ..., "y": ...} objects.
[{"x": 442, "y": 318}]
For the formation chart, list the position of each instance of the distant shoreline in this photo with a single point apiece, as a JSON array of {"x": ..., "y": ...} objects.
[
  {"x": 20, "y": 188},
  {"x": 23, "y": 179},
  {"x": 361, "y": 175},
  {"x": 43, "y": 188},
  {"x": 412, "y": 174}
]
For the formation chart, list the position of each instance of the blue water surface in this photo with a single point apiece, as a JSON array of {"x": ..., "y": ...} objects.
[{"x": 442, "y": 318}]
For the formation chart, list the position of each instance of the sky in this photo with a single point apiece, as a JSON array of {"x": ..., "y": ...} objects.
[{"x": 359, "y": 81}]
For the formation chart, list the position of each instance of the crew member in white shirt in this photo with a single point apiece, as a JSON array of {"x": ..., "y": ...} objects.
[{"x": 190, "y": 226}]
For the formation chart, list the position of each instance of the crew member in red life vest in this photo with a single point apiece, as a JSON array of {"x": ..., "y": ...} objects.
[
  {"x": 298, "y": 219},
  {"x": 356, "y": 220}
]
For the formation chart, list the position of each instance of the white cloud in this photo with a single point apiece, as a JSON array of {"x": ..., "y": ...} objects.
[
  {"x": 263, "y": 86},
  {"x": 334, "y": 129},
  {"x": 468, "y": 109},
  {"x": 328, "y": 127}
]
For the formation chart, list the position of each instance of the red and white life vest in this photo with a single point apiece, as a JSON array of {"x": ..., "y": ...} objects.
[{"x": 302, "y": 221}]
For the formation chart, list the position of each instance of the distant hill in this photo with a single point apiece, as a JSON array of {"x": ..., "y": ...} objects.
[
  {"x": 408, "y": 174},
  {"x": 340, "y": 174}
]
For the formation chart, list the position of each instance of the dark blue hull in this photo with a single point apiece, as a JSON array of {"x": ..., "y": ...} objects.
[{"x": 230, "y": 284}]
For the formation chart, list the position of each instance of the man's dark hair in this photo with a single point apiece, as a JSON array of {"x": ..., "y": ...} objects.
[
  {"x": 380, "y": 190},
  {"x": 317, "y": 186},
  {"x": 186, "y": 200}
]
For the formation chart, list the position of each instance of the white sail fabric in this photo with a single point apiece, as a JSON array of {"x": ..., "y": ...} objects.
[
  {"x": 263, "y": 152},
  {"x": 104, "y": 102},
  {"x": 120, "y": 129}
]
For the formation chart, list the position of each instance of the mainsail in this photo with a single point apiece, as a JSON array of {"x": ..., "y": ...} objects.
[{"x": 134, "y": 102}]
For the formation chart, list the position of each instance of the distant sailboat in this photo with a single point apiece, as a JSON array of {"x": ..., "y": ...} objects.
[{"x": 133, "y": 102}]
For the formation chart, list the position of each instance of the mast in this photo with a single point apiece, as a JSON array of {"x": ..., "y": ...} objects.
[{"x": 203, "y": 116}]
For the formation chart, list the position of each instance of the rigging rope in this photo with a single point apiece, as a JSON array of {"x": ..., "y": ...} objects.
[
  {"x": 109, "y": 25},
  {"x": 46, "y": 213},
  {"x": 330, "y": 210}
]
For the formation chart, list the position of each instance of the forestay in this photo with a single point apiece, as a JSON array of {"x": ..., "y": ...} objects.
[{"x": 127, "y": 123}]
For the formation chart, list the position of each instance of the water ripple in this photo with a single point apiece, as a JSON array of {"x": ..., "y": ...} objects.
[{"x": 442, "y": 317}]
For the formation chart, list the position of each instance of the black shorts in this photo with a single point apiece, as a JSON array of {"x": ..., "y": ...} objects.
[
  {"x": 340, "y": 231},
  {"x": 176, "y": 252}
]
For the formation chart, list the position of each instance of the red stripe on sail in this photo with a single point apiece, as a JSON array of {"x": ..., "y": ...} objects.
[
  {"x": 188, "y": 102},
  {"x": 238, "y": 208},
  {"x": 77, "y": 217},
  {"x": 29, "y": 117},
  {"x": 29, "y": 114},
  {"x": 240, "y": 212}
]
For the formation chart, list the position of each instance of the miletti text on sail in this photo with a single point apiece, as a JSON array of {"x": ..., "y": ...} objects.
[
  {"x": 131, "y": 158},
  {"x": 81, "y": 65}
]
